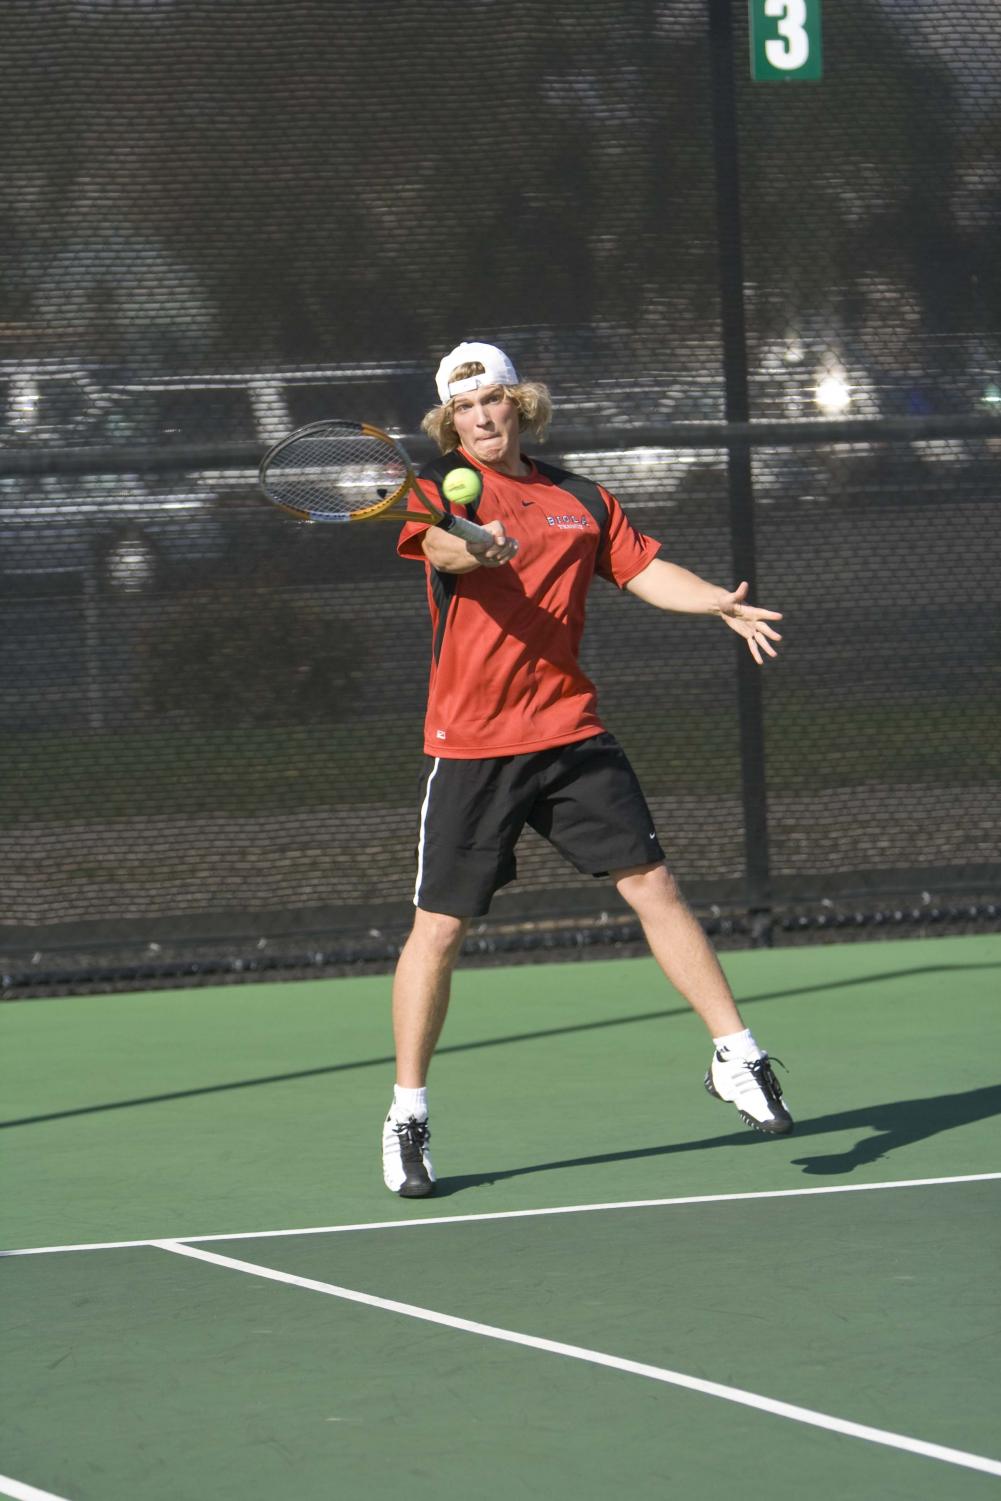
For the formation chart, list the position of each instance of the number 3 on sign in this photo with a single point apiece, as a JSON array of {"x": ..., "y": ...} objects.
[
  {"x": 793, "y": 48},
  {"x": 785, "y": 39}
]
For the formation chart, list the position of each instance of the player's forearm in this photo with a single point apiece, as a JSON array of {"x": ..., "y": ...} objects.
[
  {"x": 447, "y": 553},
  {"x": 668, "y": 587}
]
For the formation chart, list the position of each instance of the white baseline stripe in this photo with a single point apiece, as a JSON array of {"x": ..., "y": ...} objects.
[
  {"x": 509, "y": 1214},
  {"x": 614, "y": 1362},
  {"x": 22, "y": 1492}
]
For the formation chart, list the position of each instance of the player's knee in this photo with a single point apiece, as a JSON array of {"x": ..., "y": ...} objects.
[
  {"x": 648, "y": 886},
  {"x": 440, "y": 932}
]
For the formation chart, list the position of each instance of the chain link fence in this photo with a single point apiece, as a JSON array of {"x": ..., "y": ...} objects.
[{"x": 770, "y": 318}]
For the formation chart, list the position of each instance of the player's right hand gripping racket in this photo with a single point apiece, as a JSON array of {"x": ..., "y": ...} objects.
[{"x": 348, "y": 471}]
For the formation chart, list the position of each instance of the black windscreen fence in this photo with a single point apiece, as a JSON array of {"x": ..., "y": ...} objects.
[{"x": 770, "y": 316}]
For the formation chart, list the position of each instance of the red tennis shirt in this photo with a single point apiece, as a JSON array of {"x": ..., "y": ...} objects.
[{"x": 505, "y": 678}]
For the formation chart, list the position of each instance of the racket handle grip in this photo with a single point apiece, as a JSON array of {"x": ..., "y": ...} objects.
[{"x": 468, "y": 530}]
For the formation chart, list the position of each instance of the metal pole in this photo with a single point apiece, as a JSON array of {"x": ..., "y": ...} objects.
[
  {"x": 92, "y": 647},
  {"x": 757, "y": 870}
]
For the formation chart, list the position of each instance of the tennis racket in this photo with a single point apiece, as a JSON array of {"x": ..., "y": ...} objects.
[{"x": 348, "y": 471}]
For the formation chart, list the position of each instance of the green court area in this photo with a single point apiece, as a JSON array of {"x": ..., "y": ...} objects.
[{"x": 616, "y": 1289}]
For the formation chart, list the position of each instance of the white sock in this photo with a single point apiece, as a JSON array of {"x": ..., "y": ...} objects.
[
  {"x": 409, "y": 1102},
  {"x": 738, "y": 1045}
]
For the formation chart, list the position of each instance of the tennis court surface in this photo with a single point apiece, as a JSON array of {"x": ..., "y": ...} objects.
[{"x": 617, "y": 1289}]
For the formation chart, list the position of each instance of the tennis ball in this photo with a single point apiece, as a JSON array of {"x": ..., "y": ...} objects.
[{"x": 462, "y": 486}]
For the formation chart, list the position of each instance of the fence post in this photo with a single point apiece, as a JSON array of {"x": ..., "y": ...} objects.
[{"x": 757, "y": 867}]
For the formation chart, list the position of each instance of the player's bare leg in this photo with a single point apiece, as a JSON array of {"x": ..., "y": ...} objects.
[
  {"x": 679, "y": 945},
  {"x": 421, "y": 991},
  {"x": 739, "y": 1071}
]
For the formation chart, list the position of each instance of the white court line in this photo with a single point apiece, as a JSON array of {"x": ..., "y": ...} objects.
[
  {"x": 509, "y": 1214},
  {"x": 596, "y": 1357},
  {"x": 22, "y": 1492}
]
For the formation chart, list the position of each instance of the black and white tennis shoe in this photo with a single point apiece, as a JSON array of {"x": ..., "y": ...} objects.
[
  {"x": 406, "y": 1163},
  {"x": 750, "y": 1084}
]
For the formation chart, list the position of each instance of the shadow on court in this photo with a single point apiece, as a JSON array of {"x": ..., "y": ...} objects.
[
  {"x": 387, "y": 1060},
  {"x": 896, "y": 1124}
]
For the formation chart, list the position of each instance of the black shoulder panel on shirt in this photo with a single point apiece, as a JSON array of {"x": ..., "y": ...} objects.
[
  {"x": 583, "y": 489},
  {"x": 437, "y": 469},
  {"x": 443, "y": 584},
  {"x": 443, "y": 590}
]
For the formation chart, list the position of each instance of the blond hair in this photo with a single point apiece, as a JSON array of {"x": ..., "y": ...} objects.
[{"x": 534, "y": 403}]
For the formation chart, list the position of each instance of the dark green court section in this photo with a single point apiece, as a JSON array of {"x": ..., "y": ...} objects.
[
  {"x": 843, "y": 1303},
  {"x": 137, "y": 1374},
  {"x": 260, "y": 1106}
]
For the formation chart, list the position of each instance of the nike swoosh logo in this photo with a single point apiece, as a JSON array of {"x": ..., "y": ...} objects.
[{"x": 526, "y": 502}]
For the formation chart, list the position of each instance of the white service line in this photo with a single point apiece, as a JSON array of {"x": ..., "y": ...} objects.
[
  {"x": 22, "y": 1492},
  {"x": 596, "y": 1357},
  {"x": 509, "y": 1214}
]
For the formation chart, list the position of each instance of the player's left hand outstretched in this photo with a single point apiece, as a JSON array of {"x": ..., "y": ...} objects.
[{"x": 750, "y": 622}]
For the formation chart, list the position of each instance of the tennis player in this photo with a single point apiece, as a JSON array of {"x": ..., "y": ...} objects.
[{"x": 513, "y": 734}]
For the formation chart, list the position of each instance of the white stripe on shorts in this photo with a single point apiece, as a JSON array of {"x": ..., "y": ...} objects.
[{"x": 420, "y": 842}]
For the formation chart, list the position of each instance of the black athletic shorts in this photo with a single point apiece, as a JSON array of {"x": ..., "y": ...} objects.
[{"x": 584, "y": 798}]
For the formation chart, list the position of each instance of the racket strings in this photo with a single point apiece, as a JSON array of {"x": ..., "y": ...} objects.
[{"x": 334, "y": 473}]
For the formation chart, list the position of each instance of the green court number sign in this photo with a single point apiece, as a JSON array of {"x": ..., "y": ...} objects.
[{"x": 785, "y": 40}]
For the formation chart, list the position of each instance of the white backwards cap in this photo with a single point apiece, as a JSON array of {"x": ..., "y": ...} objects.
[{"x": 497, "y": 370}]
